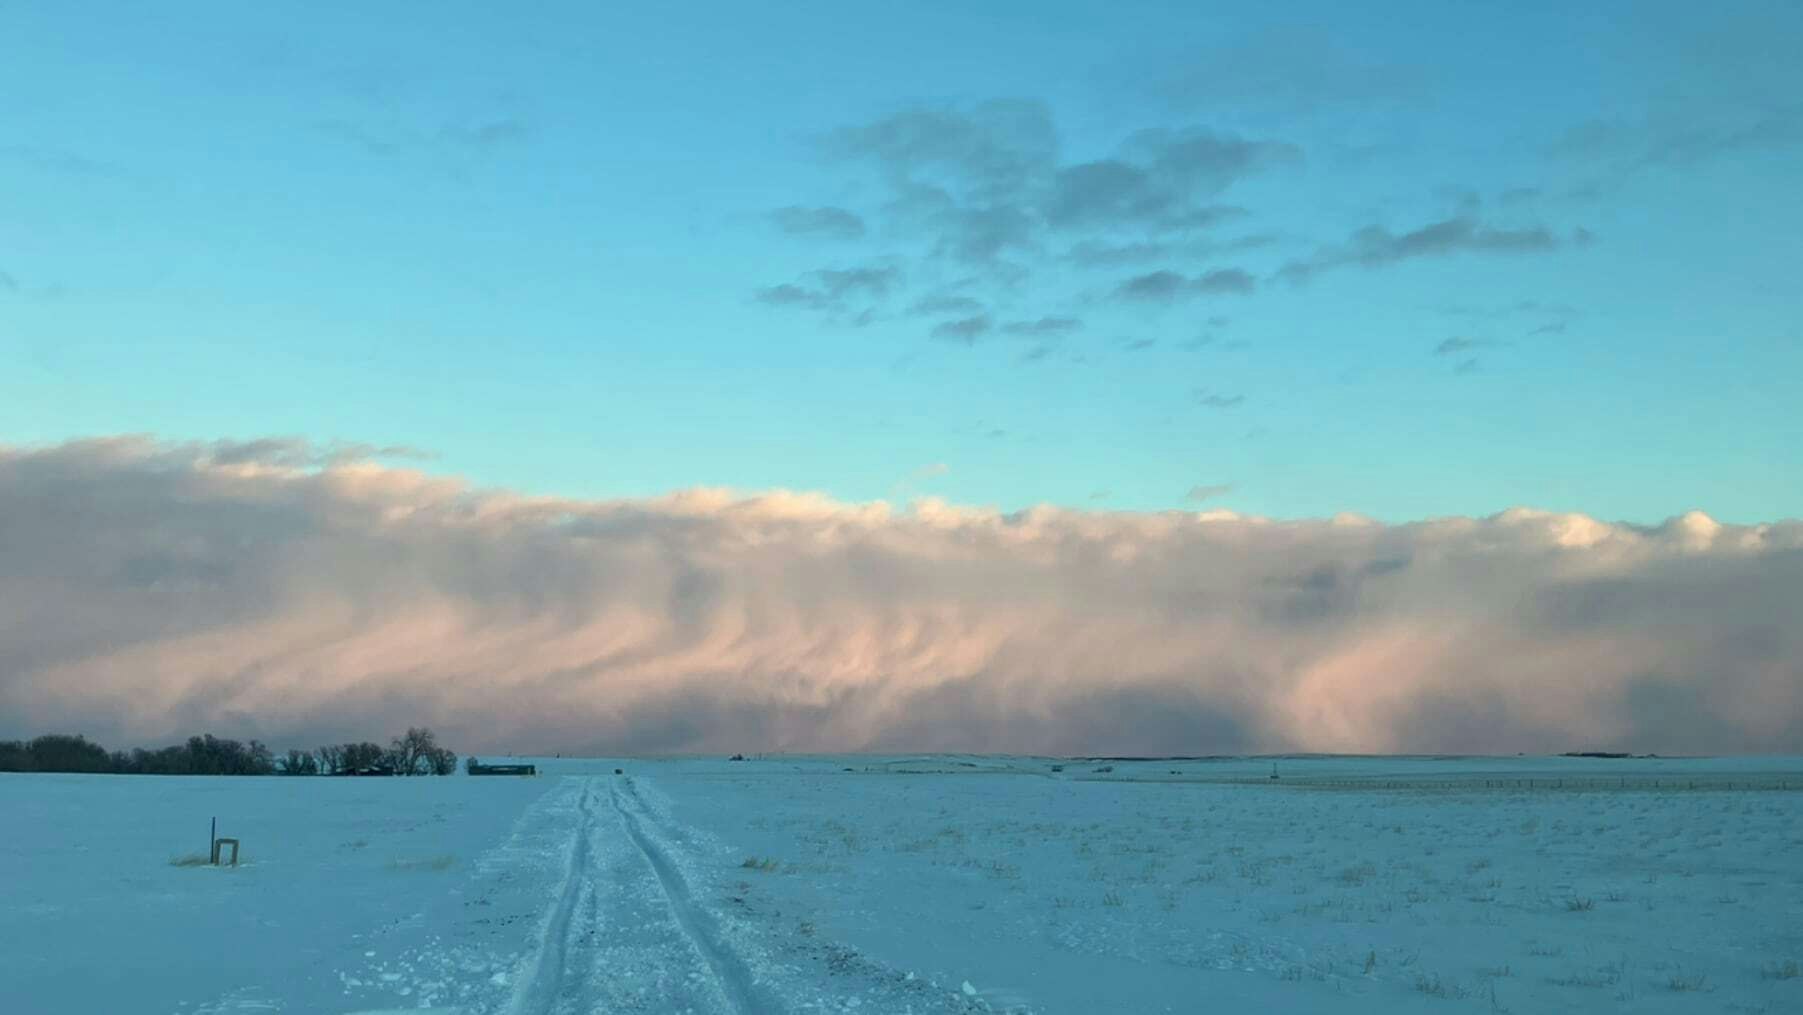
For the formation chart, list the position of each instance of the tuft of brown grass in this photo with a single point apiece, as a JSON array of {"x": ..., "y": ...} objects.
[
  {"x": 1433, "y": 986},
  {"x": 1686, "y": 984}
]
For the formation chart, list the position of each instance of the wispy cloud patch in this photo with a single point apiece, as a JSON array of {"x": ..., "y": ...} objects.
[
  {"x": 1159, "y": 180},
  {"x": 986, "y": 187},
  {"x": 301, "y": 453},
  {"x": 1166, "y": 286},
  {"x": 1216, "y": 400},
  {"x": 1684, "y": 140},
  {"x": 933, "y": 305},
  {"x": 1043, "y": 327},
  {"x": 965, "y": 330},
  {"x": 1376, "y": 246},
  {"x": 1460, "y": 344},
  {"x": 830, "y": 223},
  {"x": 832, "y": 288},
  {"x": 909, "y": 484}
]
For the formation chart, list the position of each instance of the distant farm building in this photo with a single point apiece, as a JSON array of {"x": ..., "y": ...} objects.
[{"x": 477, "y": 768}]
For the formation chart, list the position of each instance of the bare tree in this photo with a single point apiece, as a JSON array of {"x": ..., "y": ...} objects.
[
  {"x": 299, "y": 763},
  {"x": 358, "y": 757},
  {"x": 413, "y": 750},
  {"x": 442, "y": 761}
]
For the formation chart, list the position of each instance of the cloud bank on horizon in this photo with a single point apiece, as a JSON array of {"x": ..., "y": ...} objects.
[{"x": 299, "y": 594}]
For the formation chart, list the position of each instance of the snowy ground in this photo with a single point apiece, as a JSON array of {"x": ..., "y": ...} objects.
[{"x": 932, "y": 884}]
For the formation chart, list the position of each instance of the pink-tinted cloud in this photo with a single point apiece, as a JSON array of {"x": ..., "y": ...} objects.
[{"x": 152, "y": 590}]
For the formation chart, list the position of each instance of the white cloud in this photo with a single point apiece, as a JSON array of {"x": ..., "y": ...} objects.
[{"x": 155, "y": 590}]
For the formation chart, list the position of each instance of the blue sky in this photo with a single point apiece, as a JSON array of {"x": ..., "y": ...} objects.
[{"x": 1406, "y": 261}]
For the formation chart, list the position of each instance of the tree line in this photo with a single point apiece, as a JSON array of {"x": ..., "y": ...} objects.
[{"x": 414, "y": 753}]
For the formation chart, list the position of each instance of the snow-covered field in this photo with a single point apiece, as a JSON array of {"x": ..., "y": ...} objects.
[{"x": 929, "y": 884}]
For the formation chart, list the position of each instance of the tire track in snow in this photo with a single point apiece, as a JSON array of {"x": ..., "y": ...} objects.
[
  {"x": 541, "y": 994},
  {"x": 730, "y": 971}
]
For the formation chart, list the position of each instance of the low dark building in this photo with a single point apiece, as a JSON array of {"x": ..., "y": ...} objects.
[{"x": 480, "y": 769}]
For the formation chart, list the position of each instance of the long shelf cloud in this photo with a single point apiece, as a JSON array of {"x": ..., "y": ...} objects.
[{"x": 301, "y": 594}]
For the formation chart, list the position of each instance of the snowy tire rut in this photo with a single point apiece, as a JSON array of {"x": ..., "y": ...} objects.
[
  {"x": 545, "y": 991},
  {"x": 624, "y": 933},
  {"x": 603, "y": 901},
  {"x": 730, "y": 973}
]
